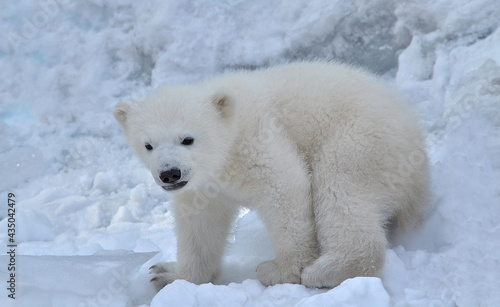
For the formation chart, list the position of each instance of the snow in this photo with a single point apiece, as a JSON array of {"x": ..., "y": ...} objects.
[
  {"x": 89, "y": 218},
  {"x": 360, "y": 291},
  {"x": 98, "y": 279}
]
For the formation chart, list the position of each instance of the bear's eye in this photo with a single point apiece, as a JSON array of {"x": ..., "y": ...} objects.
[
  {"x": 148, "y": 146},
  {"x": 188, "y": 141}
]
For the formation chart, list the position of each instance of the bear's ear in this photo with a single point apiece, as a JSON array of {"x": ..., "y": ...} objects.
[
  {"x": 224, "y": 103},
  {"x": 120, "y": 112}
]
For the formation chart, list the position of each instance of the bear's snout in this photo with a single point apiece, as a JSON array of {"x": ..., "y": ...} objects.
[{"x": 170, "y": 176}]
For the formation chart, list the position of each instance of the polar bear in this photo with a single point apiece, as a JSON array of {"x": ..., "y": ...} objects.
[{"x": 326, "y": 155}]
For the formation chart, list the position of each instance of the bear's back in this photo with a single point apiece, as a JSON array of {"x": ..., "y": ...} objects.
[{"x": 314, "y": 100}]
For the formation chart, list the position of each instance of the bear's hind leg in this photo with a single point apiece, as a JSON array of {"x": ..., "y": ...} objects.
[
  {"x": 351, "y": 244},
  {"x": 349, "y": 222},
  {"x": 283, "y": 202},
  {"x": 290, "y": 225}
]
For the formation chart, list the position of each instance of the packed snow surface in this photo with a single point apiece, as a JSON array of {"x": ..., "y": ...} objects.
[{"x": 89, "y": 220}]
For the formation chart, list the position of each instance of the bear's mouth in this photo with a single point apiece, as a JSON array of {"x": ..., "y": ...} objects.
[{"x": 174, "y": 186}]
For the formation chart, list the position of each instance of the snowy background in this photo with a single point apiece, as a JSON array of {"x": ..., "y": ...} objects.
[{"x": 90, "y": 220}]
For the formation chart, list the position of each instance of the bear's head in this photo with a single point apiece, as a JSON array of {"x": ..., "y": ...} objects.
[{"x": 180, "y": 134}]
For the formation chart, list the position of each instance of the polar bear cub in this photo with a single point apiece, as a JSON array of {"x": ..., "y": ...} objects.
[{"x": 324, "y": 153}]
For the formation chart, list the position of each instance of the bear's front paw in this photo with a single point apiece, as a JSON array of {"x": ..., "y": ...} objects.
[
  {"x": 163, "y": 279},
  {"x": 272, "y": 272},
  {"x": 162, "y": 267},
  {"x": 165, "y": 274}
]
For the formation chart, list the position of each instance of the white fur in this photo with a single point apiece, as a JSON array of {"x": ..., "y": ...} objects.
[{"x": 325, "y": 155}]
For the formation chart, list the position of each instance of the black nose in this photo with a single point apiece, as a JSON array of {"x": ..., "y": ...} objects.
[{"x": 170, "y": 176}]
